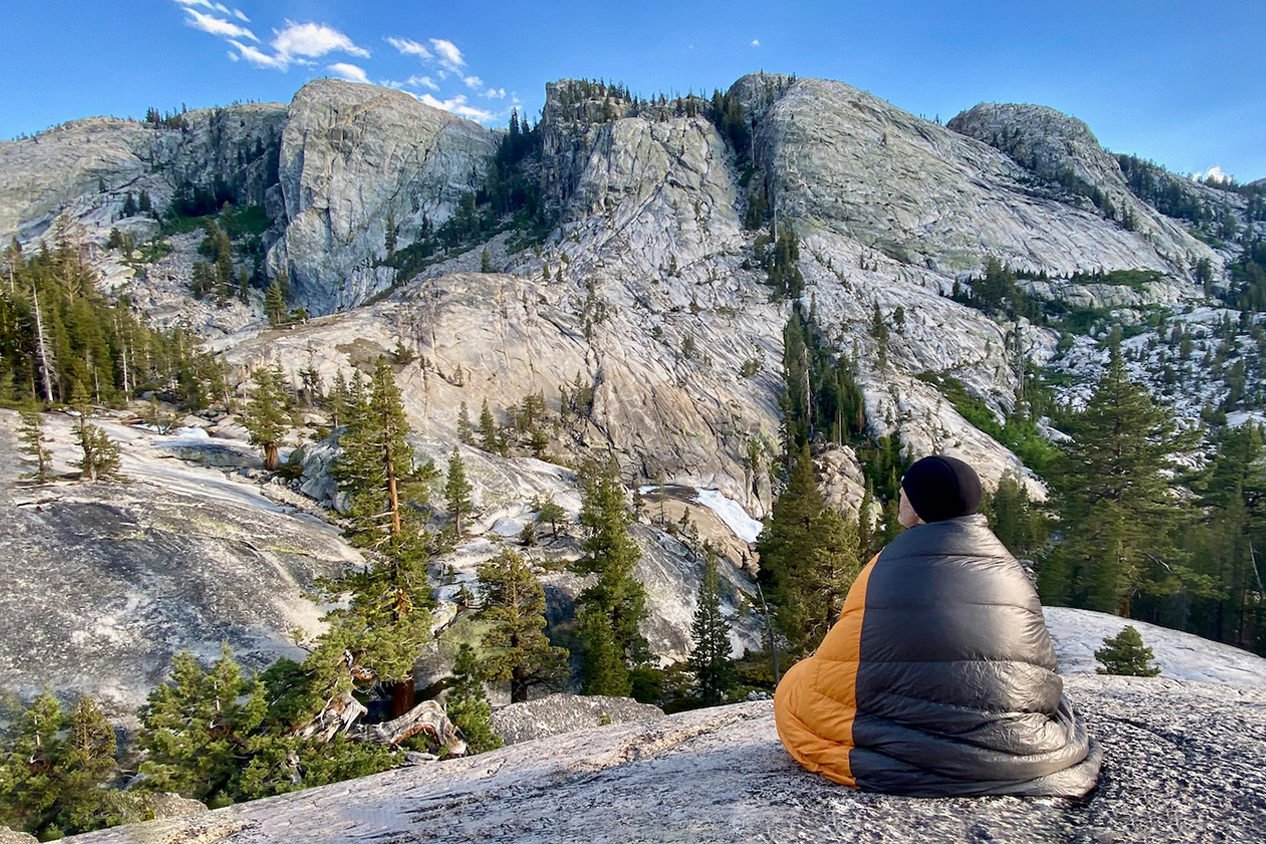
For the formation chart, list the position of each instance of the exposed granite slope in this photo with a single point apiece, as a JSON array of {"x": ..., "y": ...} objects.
[{"x": 1182, "y": 765}]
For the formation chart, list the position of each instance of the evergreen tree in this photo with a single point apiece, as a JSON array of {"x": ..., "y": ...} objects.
[
  {"x": 604, "y": 671},
  {"x": 549, "y": 510},
  {"x": 87, "y": 766},
  {"x": 197, "y": 727},
  {"x": 516, "y": 647},
  {"x": 787, "y": 542},
  {"x": 457, "y": 490},
  {"x": 28, "y": 777},
  {"x": 385, "y": 623},
  {"x": 710, "y": 659},
  {"x": 275, "y": 304},
  {"x": 464, "y": 432},
  {"x": 1126, "y": 654},
  {"x": 488, "y": 439},
  {"x": 32, "y": 436},
  {"x": 1014, "y": 519},
  {"x": 1225, "y": 548},
  {"x": 1117, "y": 510},
  {"x": 615, "y": 596},
  {"x": 100, "y": 454},
  {"x": 268, "y": 413},
  {"x": 466, "y": 704},
  {"x": 835, "y": 564}
]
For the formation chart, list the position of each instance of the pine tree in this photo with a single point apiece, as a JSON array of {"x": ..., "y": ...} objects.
[
  {"x": 197, "y": 727},
  {"x": 549, "y": 510},
  {"x": 32, "y": 436},
  {"x": 466, "y": 703},
  {"x": 86, "y": 767},
  {"x": 1014, "y": 519},
  {"x": 464, "y": 432},
  {"x": 1228, "y": 603},
  {"x": 604, "y": 671},
  {"x": 516, "y": 647},
  {"x": 28, "y": 773},
  {"x": 787, "y": 543},
  {"x": 457, "y": 490},
  {"x": 710, "y": 659},
  {"x": 1117, "y": 510},
  {"x": 488, "y": 439},
  {"x": 275, "y": 304},
  {"x": 268, "y": 413},
  {"x": 1126, "y": 654},
  {"x": 100, "y": 454},
  {"x": 610, "y": 553},
  {"x": 338, "y": 399},
  {"x": 386, "y": 620},
  {"x": 835, "y": 564}
]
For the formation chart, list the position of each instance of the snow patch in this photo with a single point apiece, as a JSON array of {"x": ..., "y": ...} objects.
[{"x": 732, "y": 513}]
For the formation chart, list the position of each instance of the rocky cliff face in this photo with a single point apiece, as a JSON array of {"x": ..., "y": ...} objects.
[
  {"x": 83, "y": 170},
  {"x": 1181, "y": 765},
  {"x": 849, "y": 163},
  {"x": 1061, "y": 151},
  {"x": 354, "y": 157}
]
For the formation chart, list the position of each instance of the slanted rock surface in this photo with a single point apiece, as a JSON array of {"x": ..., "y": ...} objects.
[
  {"x": 1182, "y": 765},
  {"x": 104, "y": 582},
  {"x": 557, "y": 714}
]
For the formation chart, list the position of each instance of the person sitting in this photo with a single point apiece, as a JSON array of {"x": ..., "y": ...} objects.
[{"x": 939, "y": 678}]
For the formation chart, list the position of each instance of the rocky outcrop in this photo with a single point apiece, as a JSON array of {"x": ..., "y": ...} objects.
[
  {"x": 354, "y": 157},
  {"x": 844, "y": 161},
  {"x": 1181, "y": 764},
  {"x": 1061, "y": 150},
  {"x": 557, "y": 714},
  {"x": 105, "y": 582},
  {"x": 83, "y": 170}
]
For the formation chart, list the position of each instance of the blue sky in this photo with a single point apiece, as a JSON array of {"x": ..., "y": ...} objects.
[{"x": 1178, "y": 82}]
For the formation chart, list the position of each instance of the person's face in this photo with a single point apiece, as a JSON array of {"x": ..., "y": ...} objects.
[{"x": 905, "y": 513}]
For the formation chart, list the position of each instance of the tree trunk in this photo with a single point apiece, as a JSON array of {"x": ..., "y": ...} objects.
[
  {"x": 518, "y": 685},
  {"x": 42, "y": 342},
  {"x": 402, "y": 696},
  {"x": 427, "y": 717},
  {"x": 272, "y": 457}
]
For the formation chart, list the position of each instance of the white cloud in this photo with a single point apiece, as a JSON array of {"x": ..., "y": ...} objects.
[
  {"x": 215, "y": 7},
  {"x": 495, "y": 93},
  {"x": 350, "y": 72},
  {"x": 1214, "y": 174},
  {"x": 217, "y": 26},
  {"x": 450, "y": 56},
  {"x": 258, "y": 58},
  {"x": 457, "y": 105},
  {"x": 422, "y": 82},
  {"x": 313, "y": 40},
  {"x": 473, "y": 82},
  {"x": 755, "y": 42},
  {"x": 409, "y": 47},
  {"x": 233, "y": 57}
]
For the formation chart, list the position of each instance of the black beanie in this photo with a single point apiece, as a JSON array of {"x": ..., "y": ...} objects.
[{"x": 940, "y": 487}]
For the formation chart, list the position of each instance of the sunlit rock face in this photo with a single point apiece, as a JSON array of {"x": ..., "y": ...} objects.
[
  {"x": 354, "y": 158},
  {"x": 83, "y": 170},
  {"x": 104, "y": 582}
]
